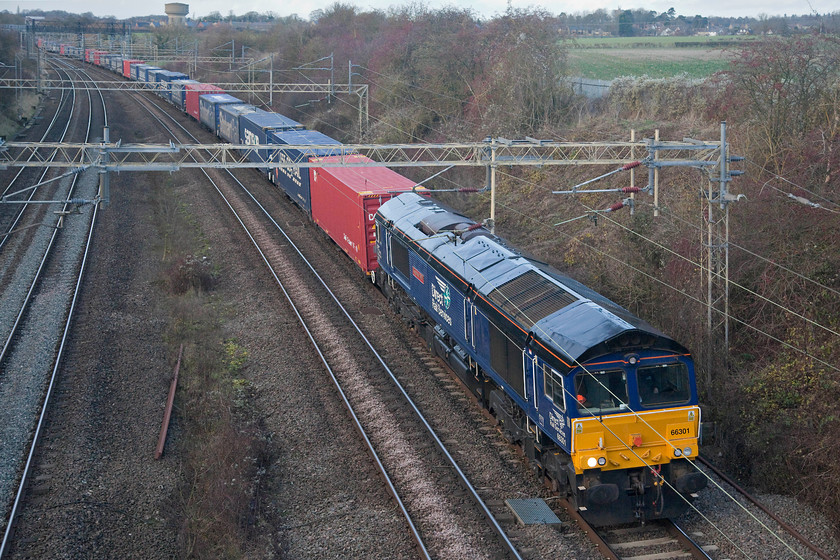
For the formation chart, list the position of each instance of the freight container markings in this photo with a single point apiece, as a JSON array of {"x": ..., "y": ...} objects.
[{"x": 292, "y": 173}]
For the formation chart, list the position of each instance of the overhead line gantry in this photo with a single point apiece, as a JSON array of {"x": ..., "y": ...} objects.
[{"x": 712, "y": 157}]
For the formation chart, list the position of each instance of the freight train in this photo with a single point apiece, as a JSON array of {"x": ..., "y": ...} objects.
[{"x": 604, "y": 405}]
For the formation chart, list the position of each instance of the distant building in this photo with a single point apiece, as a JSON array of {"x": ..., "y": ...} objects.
[{"x": 177, "y": 13}]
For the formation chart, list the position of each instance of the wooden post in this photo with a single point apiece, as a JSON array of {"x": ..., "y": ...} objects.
[{"x": 167, "y": 413}]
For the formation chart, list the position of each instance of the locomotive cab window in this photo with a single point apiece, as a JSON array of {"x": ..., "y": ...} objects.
[
  {"x": 601, "y": 392},
  {"x": 554, "y": 387},
  {"x": 663, "y": 384}
]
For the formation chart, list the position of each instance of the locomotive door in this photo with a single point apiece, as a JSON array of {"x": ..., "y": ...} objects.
[
  {"x": 531, "y": 373},
  {"x": 469, "y": 316}
]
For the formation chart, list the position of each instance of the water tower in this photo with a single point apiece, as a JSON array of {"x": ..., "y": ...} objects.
[{"x": 177, "y": 13}]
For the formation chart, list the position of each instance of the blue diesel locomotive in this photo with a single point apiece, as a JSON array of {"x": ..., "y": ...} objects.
[{"x": 602, "y": 403}]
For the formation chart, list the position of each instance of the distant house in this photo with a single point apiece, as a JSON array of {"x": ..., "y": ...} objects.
[{"x": 586, "y": 31}]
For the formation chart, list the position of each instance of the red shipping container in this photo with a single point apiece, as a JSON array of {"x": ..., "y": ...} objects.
[
  {"x": 345, "y": 200},
  {"x": 127, "y": 66},
  {"x": 192, "y": 93}
]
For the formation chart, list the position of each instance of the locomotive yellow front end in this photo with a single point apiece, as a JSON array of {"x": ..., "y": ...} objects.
[{"x": 636, "y": 466}]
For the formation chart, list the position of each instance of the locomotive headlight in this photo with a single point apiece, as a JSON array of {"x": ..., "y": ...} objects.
[
  {"x": 677, "y": 452},
  {"x": 602, "y": 461},
  {"x": 592, "y": 462},
  {"x": 687, "y": 452}
]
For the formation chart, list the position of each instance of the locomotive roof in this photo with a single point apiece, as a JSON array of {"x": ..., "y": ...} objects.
[{"x": 554, "y": 308}]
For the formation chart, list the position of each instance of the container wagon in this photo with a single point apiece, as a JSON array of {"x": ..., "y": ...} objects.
[
  {"x": 229, "y": 120},
  {"x": 193, "y": 94},
  {"x": 295, "y": 181},
  {"x": 208, "y": 108},
  {"x": 177, "y": 95},
  {"x": 166, "y": 77},
  {"x": 126, "y": 67},
  {"x": 257, "y": 127},
  {"x": 345, "y": 201}
]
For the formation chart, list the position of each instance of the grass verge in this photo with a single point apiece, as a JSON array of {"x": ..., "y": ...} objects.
[{"x": 222, "y": 445}]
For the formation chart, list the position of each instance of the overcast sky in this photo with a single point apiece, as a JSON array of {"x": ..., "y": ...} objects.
[{"x": 486, "y": 8}]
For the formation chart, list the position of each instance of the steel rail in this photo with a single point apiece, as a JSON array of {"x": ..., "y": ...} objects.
[
  {"x": 7, "y": 536},
  {"x": 604, "y": 547},
  {"x": 41, "y": 419},
  {"x": 685, "y": 540},
  {"x": 356, "y": 422},
  {"x": 438, "y": 442},
  {"x": 33, "y": 285},
  {"x": 590, "y": 531},
  {"x": 787, "y": 527},
  {"x": 19, "y": 215}
]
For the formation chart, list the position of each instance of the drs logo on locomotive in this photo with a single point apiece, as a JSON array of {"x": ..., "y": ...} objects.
[{"x": 441, "y": 299}]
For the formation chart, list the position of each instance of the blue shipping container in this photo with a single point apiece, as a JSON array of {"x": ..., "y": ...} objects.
[
  {"x": 106, "y": 60},
  {"x": 167, "y": 76},
  {"x": 256, "y": 128},
  {"x": 229, "y": 120},
  {"x": 178, "y": 95},
  {"x": 138, "y": 71},
  {"x": 152, "y": 78},
  {"x": 208, "y": 108},
  {"x": 295, "y": 181},
  {"x": 149, "y": 74}
]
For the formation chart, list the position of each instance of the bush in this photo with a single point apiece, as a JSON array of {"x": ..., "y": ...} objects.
[{"x": 190, "y": 273}]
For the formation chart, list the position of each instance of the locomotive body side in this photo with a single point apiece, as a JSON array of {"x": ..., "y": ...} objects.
[{"x": 529, "y": 343}]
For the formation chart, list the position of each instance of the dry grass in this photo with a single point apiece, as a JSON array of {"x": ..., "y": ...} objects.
[{"x": 221, "y": 442}]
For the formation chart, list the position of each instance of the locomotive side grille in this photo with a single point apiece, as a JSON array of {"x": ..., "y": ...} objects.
[{"x": 530, "y": 297}]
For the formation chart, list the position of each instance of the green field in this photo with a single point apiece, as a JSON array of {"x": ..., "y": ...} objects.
[
  {"x": 655, "y": 57},
  {"x": 655, "y": 42}
]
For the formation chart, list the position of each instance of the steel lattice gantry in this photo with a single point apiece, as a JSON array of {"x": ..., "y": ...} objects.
[
  {"x": 711, "y": 157},
  {"x": 123, "y": 85},
  {"x": 497, "y": 152}
]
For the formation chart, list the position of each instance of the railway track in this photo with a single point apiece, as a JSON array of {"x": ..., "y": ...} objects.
[
  {"x": 416, "y": 465},
  {"x": 788, "y": 540},
  {"x": 40, "y": 294}
]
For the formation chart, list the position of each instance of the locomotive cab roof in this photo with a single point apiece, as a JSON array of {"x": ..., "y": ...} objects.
[{"x": 556, "y": 310}]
